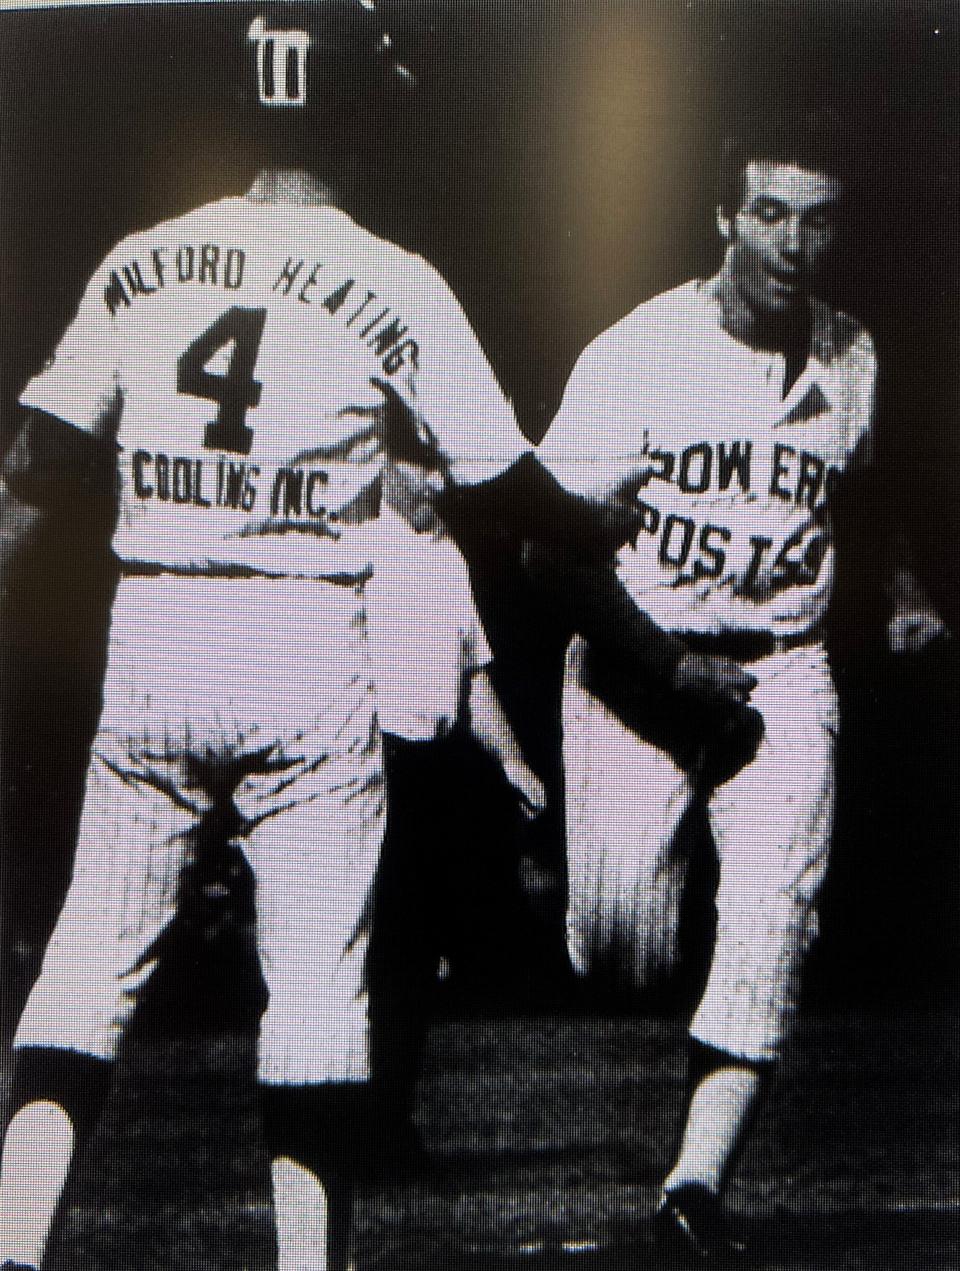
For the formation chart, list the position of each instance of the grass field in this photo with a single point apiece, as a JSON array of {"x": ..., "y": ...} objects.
[{"x": 541, "y": 1131}]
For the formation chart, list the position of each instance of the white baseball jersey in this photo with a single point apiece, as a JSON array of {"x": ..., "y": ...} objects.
[
  {"x": 246, "y": 358},
  {"x": 732, "y": 479},
  {"x": 425, "y": 634}
]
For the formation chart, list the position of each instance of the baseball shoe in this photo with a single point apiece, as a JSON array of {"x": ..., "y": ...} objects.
[{"x": 691, "y": 1230}]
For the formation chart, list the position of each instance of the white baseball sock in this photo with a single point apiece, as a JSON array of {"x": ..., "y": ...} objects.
[
  {"x": 37, "y": 1152},
  {"x": 300, "y": 1204},
  {"x": 719, "y": 1112},
  {"x": 312, "y": 1227}
]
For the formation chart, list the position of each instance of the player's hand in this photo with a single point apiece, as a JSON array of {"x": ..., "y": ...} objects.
[
  {"x": 530, "y": 790},
  {"x": 713, "y": 680},
  {"x": 728, "y": 747},
  {"x": 914, "y": 622},
  {"x": 910, "y": 631},
  {"x": 413, "y": 491},
  {"x": 617, "y": 520}
]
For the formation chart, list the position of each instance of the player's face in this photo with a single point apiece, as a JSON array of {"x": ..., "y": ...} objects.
[{"x": 777, "y": 242}]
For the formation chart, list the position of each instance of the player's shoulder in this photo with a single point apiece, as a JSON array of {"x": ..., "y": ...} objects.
[
  {"x": 402, "y": 270},
  {"x": 205, "y": 218},
  {"x": 423, "y": 278},
  {"x": 370, "y": 241},
  {"x": 676, "y": 305},
  {"x": 208, "y": 214},
  {"x": 655, "y": 328}
]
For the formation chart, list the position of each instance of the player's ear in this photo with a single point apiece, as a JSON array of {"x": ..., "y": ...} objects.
[{"x": 725, "y": 226}]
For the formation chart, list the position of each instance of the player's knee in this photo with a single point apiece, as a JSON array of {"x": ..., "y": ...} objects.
[
  {"x": 76, "y": 1082},
  {"x": 322, "y": 1127}
]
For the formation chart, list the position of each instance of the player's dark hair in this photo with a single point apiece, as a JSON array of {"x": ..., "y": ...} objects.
[
  {"x": 286, "y": 141},
  {"x": 815, "y": 141}
]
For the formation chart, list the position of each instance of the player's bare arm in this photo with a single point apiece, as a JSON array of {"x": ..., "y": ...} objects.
[
  {"x": 568, "y": 560},
  {"x": 713, "y": 679},
  {"x": 492, "y": 729},
  {"x": 569, "y": 541},
  {"x": 589, "y": 598},
  {"x": 527, "y": 500}
]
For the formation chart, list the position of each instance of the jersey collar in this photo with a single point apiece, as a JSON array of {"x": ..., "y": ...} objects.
[
  {"x": 292, "y": 187},
  {"x": 823, "y": 353}
]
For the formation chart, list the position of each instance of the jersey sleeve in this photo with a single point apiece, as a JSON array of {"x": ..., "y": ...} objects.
[
  {"x": 81, "y": 381},
  {"x": 587, "y": 448},
  {"x": 457, "y": 399}
]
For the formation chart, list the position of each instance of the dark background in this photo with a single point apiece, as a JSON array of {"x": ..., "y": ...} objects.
[{"x": 557, "y": 167}]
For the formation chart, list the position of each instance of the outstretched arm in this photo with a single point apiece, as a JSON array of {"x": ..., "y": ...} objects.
[
  {"x": 527, "y": 501},
  {"x": 585, "y": 595},
  {"x": 568, "y": 559}
]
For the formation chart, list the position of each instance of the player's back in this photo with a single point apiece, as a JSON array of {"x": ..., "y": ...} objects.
[{"x": 248, "y": 351}]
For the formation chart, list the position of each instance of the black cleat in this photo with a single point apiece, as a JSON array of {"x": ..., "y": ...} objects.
[{"x": 691, "y": 1230}]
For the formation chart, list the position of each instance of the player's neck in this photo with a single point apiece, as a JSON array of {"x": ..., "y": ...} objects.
[
  {"x": 295, "y": 186},
  {"x": 791, "y": 336}
]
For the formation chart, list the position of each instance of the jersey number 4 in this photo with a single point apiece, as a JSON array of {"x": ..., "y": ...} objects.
[{"x": 236, "y": 391}]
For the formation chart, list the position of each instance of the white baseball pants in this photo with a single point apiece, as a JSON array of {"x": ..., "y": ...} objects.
[
  {"x": 771, "y": 826},
  {"x": 255, "y": 691}
]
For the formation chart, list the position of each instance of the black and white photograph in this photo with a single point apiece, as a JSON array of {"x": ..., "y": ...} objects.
[{"x": 479, "y": 596}]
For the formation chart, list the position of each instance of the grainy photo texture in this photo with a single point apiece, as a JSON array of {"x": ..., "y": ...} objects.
[{"x": 479, "y": 506}]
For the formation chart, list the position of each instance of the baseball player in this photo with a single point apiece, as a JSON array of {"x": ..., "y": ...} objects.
[
  {"x": 235, "y": 372},
  {"x": 430, "y": 660},
  {"x": 732, "y": 410}
]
